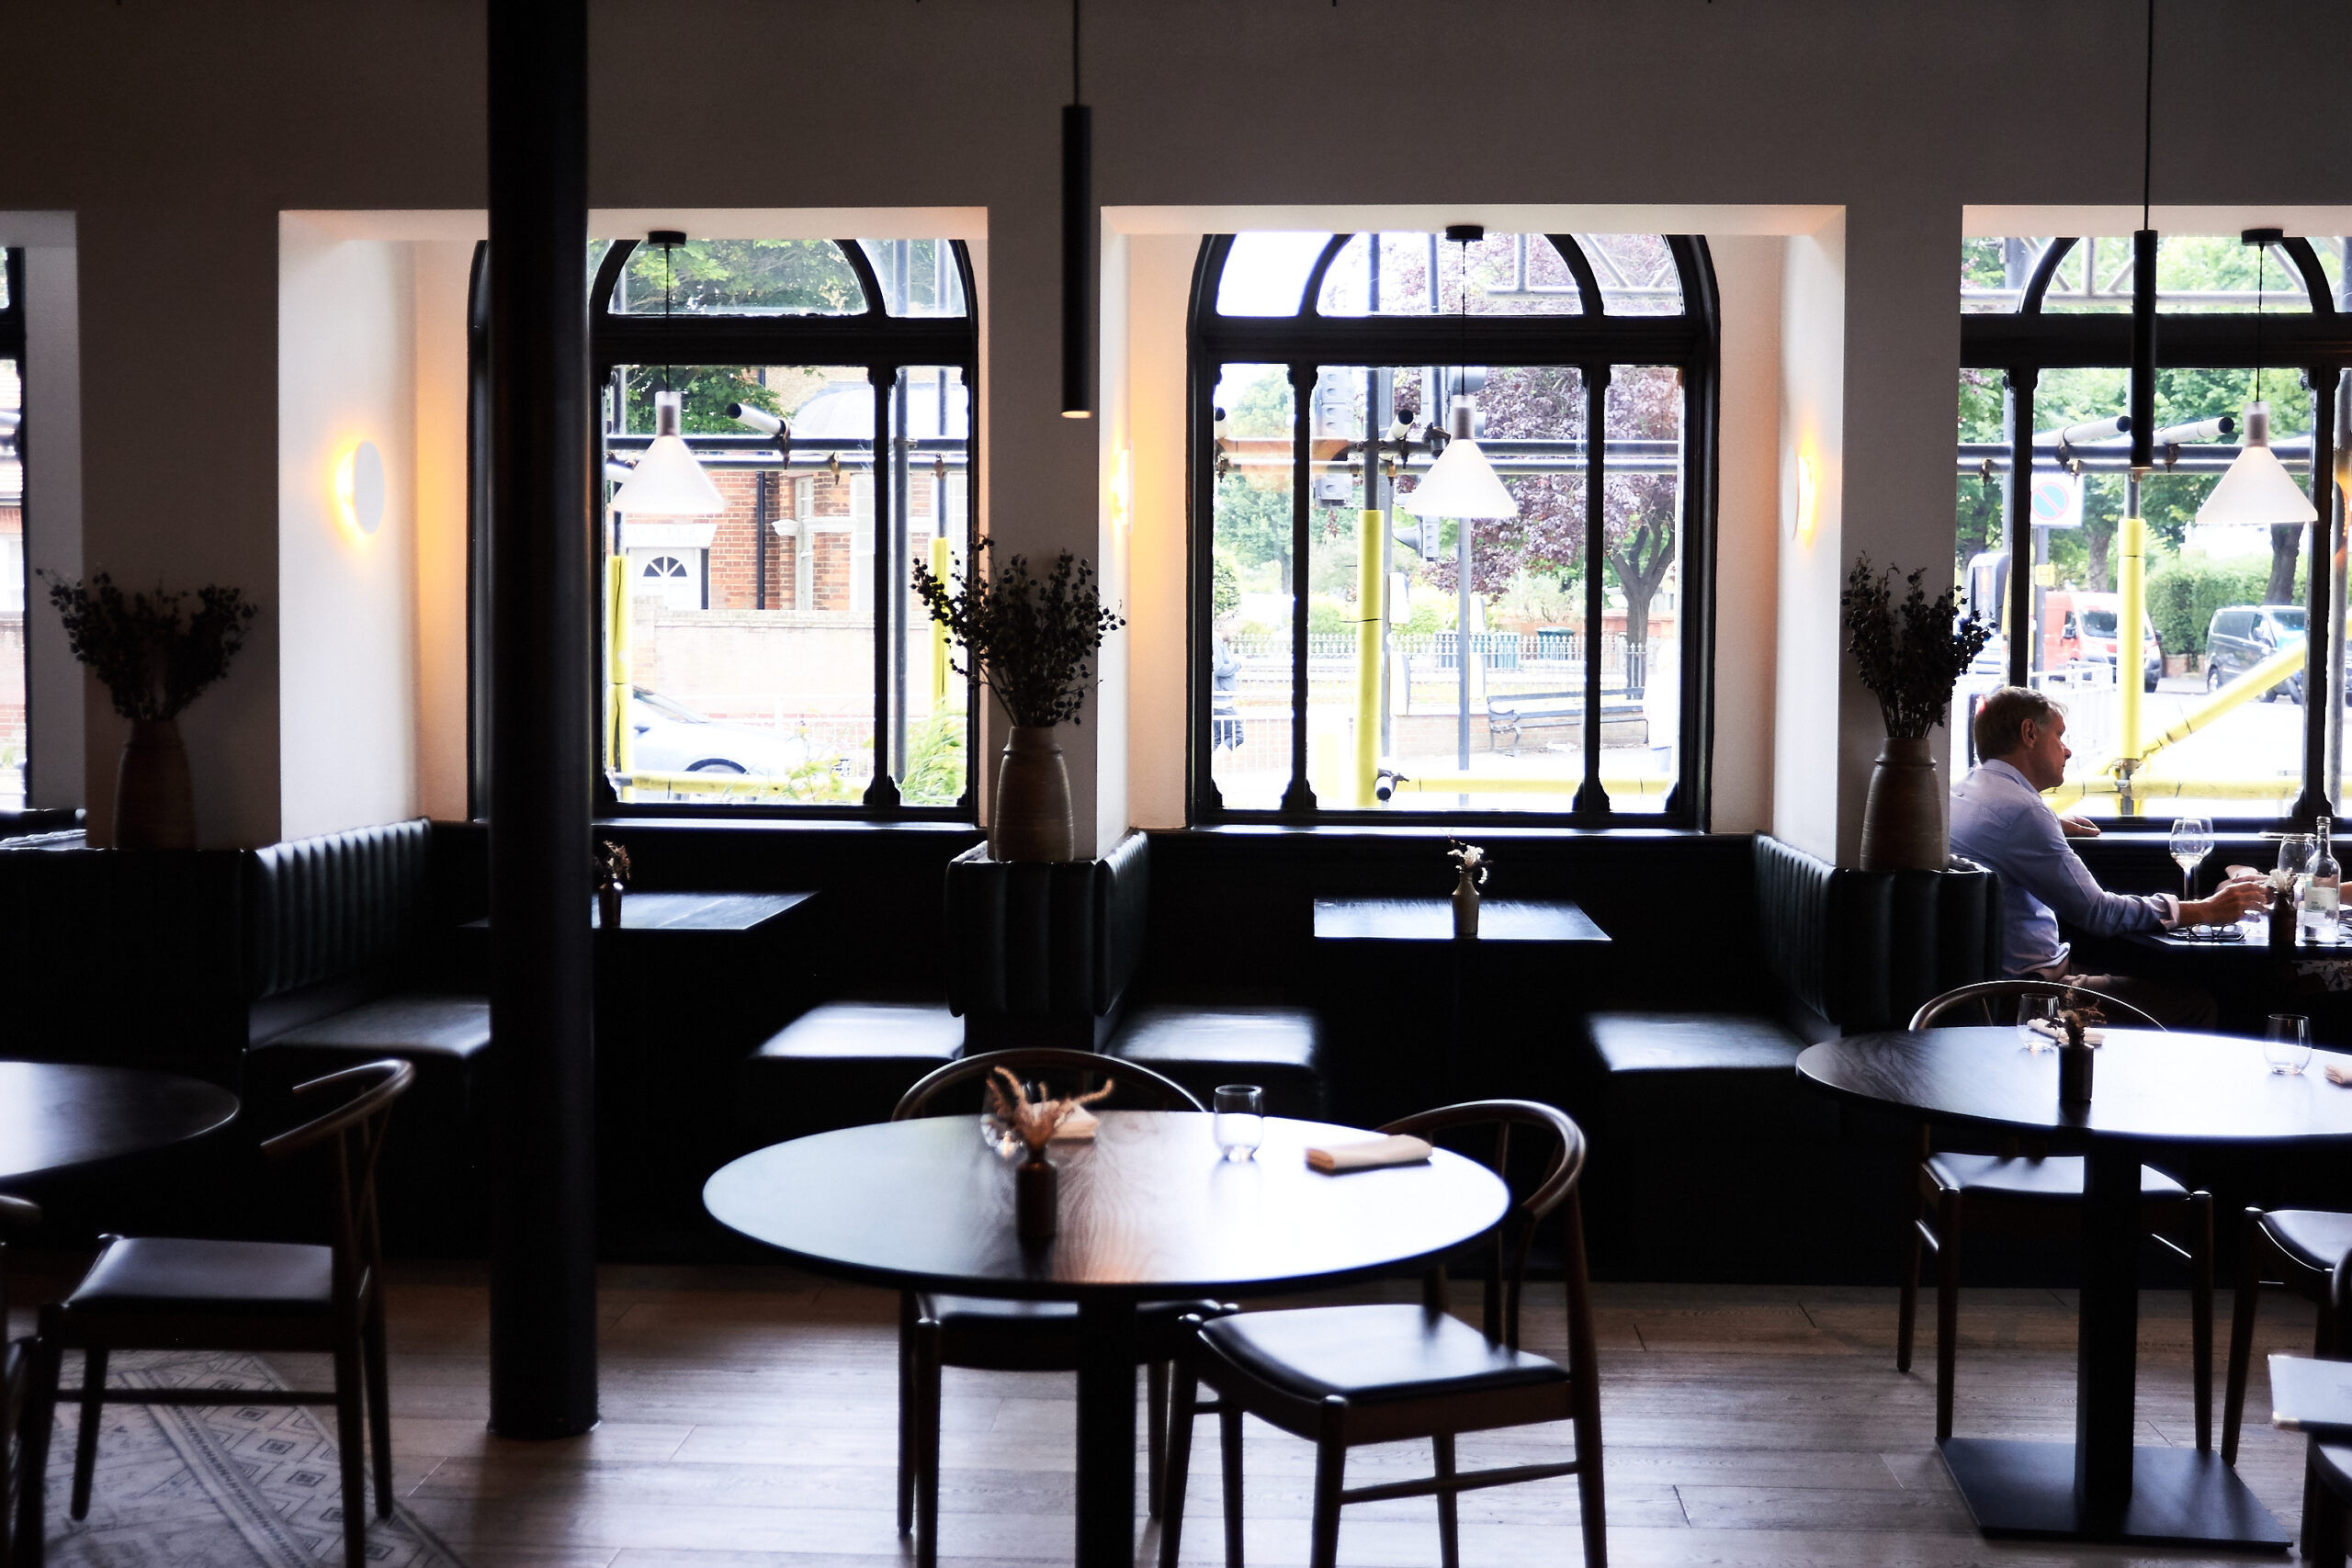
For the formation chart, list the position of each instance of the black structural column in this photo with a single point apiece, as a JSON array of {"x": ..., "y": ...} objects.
[
  {"x": 543, "y": 1280},
  {"x": 2019, "y": 613},
  {"x": 1591, "y": 798},
  {"x": 1298, "y": 799},
  {"x": 2320, "y": 683}
]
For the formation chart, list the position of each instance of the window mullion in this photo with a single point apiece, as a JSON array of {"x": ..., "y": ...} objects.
[
  {"x": 1591, "y": 800},
  {"x": 1299, "y": 798},
  {"x": 882, "y": 793},
  {"x": 2320, "y": 679},
  {"x": 2023, "y": 381}
]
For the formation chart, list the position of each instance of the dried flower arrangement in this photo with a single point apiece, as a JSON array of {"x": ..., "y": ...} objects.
[
  {"x": 1910, "y": 668},
  {"x": 1030, "y": 638},
  {"x": 1034, "y": 1120},
  {"x": 612, "y": 865},
  {"x": 150, "y": 655},
  {"x": 1470, "y": 859}
]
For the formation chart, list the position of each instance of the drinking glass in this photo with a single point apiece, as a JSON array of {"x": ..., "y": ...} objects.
[
  {"x": 2287, "y": 1044},
  {"x": 2036, "y": 1009},
  {"x": 2192, "y": 840},
  {"x": 2296, "y": 852},
  {"x": 1241, "y": 1119}
]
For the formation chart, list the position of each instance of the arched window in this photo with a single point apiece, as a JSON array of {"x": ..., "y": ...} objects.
[
  {"x": 15, "y": 768},
  {"x": 2222, "y": 729},
  {"x": 1352, "y": 657},
  {"x": 779, "y": 635}
]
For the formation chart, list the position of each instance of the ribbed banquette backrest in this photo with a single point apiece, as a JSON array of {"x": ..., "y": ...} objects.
[{"x": 336, "y": 905}]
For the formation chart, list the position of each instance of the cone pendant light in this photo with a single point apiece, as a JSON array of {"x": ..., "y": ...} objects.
[
  {"x": 1461, "y": 483},
  {"x": 667, "y": 481},
  {"x": 2256, "y": 489}
]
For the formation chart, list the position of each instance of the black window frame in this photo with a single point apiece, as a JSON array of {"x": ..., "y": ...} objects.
[
  {"x": 2020, "y": 345},
  {"x": 884, "y": 345},
  {"x": 1595, "y": 342}
]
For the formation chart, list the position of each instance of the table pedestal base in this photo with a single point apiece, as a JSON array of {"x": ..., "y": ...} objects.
[{"x": 2179, "y": 1496}]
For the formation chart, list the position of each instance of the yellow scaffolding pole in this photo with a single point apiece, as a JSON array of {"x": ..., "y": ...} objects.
[
  {"x": 2131, "y": 587},
  {"x": 2108, "y": 777},
  {"x": 619, "y": 627},
  {"x": 939, "y": 564},
  {"x": 1527, "y": 784},
  {"x": 1371, "y": 580}
]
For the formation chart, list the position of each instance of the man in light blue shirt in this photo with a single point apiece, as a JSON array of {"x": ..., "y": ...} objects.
[{"x": 2000, "y": 821}]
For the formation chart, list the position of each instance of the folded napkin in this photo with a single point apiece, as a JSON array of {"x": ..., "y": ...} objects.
[
  {"x": 1077, "y": 1127},
  {"x": 2057, "y": 1031},
  {"x": 2337, "y": 1075},
  {"x": 1397, "y": 1149}
]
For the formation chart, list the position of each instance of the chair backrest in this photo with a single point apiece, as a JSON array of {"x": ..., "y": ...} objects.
[
  {"x": 1555, "y": 1189},
  {"x": 356, "y": 1127},
  {"x": 1985, "y": 993},
  {"x": 16, "y": 1215},
  {"x": 1069, "y": 1071}
]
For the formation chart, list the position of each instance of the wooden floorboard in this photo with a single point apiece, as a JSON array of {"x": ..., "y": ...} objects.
[{"x": 750, "y": 1421}]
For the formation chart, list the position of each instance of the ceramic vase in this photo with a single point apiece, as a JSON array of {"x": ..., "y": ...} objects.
[
  {"x": 1037, "y": 1197},
  {"x": 154, "y": 807},
  {"x": 1466, "y": 906},
  {"x": 1902, "y": 818},
  {"x": 1030, "y": 818}
]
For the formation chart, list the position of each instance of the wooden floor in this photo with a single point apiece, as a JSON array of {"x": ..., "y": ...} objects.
[{"x": 750, "y": 1422}]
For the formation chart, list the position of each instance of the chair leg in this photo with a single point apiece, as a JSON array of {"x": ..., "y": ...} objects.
[
  {"x": 40, "y": 1419},
  {"x": 906, "y": 1412},
  {"x": 379, "y": 1402},
  {"x": 86, "y": 1445},
  {"x": 1947, "y": 1307},
  {"x": 1907, "y": 1315},
  {"x": 1229, "y": 1428},
  {"x": 927, "y": 1397},
  {"x": 1155, "y": 1436},
  {"x": 1184, "y": 1395},
  {"x": 2200, "y": 1312},
  {"x": 2241, "y": 1315},
  {"x": 2317, "y": 1499},
  {"x": 1330, "y": 1473},
  {"x": 1449, "y": 1516},
  {"x": 349, "y": 1423}
]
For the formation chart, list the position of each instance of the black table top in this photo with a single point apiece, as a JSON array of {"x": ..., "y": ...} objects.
[
  {"x": 1431, "y": 920},
  {"x": 2146, "y": 1086},
  {"x": 55, "y": 1116},
  {"x": 694, "y": 912},
  {"x": 1148, "y": 1208}
]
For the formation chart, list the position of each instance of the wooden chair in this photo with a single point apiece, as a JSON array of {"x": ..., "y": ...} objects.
[
  {"x": 1344, "y": 1375},
  {"x": 2303, "y": 1245},
  {"x": 16, "y": 1214},
  {"x": 2327, "y": 1469},
  {"x": 144, "y": 1294},
  {"x": 940, "y": 1331},
  {"x": 2037, "y": 1195}
]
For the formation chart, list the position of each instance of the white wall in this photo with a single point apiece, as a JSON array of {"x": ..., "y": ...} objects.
[
  {"x": 1809, "y": 679},
  {"x": 346, "y": 609},
  {"x": 1747, "y": 527},
  {"x": 442, "y": 269},
  {"x": 1158, "y": 280}
]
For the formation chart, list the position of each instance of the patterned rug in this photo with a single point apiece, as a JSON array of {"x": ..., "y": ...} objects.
[{"x": 224, "y": 1485}]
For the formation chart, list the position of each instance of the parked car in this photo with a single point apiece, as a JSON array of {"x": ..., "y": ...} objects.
[
  {"x": 670, "y": 737},
  {"x": 2078, "y": 627},
  {"x": 2242, "y": 636}
]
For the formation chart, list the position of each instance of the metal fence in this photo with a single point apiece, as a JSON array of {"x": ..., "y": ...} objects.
[{"x": 1496, "y": 650}]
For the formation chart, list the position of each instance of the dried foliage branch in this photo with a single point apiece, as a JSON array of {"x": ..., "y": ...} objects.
[
  {"x": 1909, "y": 655},
  {"x": 1031, "y": 639},
  {"x": 1034, "y": 1120},
  {"x": 153, "y": 657}
]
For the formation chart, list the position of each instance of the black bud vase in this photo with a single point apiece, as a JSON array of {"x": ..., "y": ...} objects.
[
  {"x": 1037, "y": 1197},
  {"x": 2075, "y": 1075}
]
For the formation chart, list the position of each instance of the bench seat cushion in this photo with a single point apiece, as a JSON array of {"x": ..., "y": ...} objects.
[
  {"x": 1692, "y": 1041},
  {"x": 421, "y": 1029},
  {"x": 845, "y": 1063},
  {"x": 1202, "y": 1045}
]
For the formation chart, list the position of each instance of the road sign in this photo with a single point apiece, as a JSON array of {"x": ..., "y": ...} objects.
[{"x": 2058, "y": 501}]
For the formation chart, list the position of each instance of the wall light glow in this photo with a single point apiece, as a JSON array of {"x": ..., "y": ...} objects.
[
  {"x": 359, "y": 490},
  {"x": 1123, "y": 490},
  {"x": 1808, "y": 499}
]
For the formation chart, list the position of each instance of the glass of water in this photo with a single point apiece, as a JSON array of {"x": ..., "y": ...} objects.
[
  {"x": 2287, "y": 1044},
  {"x": 1241, "y": 1125},
  {"x": 2032, "y": 1010}
]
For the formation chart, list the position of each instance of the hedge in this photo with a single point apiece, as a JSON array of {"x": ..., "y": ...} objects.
[{"x": 2185, "y": 591}]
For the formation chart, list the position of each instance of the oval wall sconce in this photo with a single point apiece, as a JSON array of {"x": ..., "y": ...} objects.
[{"x": 359, "y": 488}]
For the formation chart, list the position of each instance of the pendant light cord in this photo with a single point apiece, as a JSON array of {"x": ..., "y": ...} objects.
[
  {"x": 2261, "y": 282},
  {"x": 1076, "y": 95},
  {"x": 2147, "y": 122}
]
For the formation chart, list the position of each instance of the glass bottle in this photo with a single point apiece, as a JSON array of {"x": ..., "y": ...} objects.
[{"x": 2322, "y": 893}]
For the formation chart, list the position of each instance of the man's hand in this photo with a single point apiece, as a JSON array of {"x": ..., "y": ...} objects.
[
  {"x": 2230, "y": 902},
  {"x": 2077, "y": 827}
]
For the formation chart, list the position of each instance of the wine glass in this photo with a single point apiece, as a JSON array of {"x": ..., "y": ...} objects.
[
  {"x": 2296, "y": 853},
  {"x": 2032, "y": 1010},
  {"x": 2192, "y": 840},
  {"x": 2287, "y": 1045}
]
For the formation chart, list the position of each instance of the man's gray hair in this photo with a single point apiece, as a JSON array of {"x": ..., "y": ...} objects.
[{"x": 2001, "y": 716}]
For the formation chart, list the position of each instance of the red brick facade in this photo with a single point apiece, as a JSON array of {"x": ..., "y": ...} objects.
[{"x": 734, "y": 559}]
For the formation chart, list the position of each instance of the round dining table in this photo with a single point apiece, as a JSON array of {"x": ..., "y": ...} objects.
[
  {"x": 1148, "y": 1209},
  {"x": 2149, "y": 1090},
  {"x": 57, "y": 1116}
]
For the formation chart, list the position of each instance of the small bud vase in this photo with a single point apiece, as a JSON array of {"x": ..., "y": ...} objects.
[
  {"x": 608, "y": 906},
  {"x": 1466, "y": 906},
  {"x": 1037, "y": 1197}
]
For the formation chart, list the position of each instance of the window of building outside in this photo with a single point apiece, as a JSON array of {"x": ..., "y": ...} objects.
[
  {"x": 2223, "y": 727},
  {"x": 772, "y": 657},
  {"x": 1354, "y": 659},
  {"x": 13, "y": 737}
]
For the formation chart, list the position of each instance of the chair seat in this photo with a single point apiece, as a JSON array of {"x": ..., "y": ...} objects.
[
  {"x": 1035, "y": 1332},
  {"x": 2058, "y": 1178},
  {"x": 168, "y": 1274},
  {"x": 428, "y": 1027},
  {"x": 2317, "y": 1238},
  {"x": 1367, "y": 1354}
]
